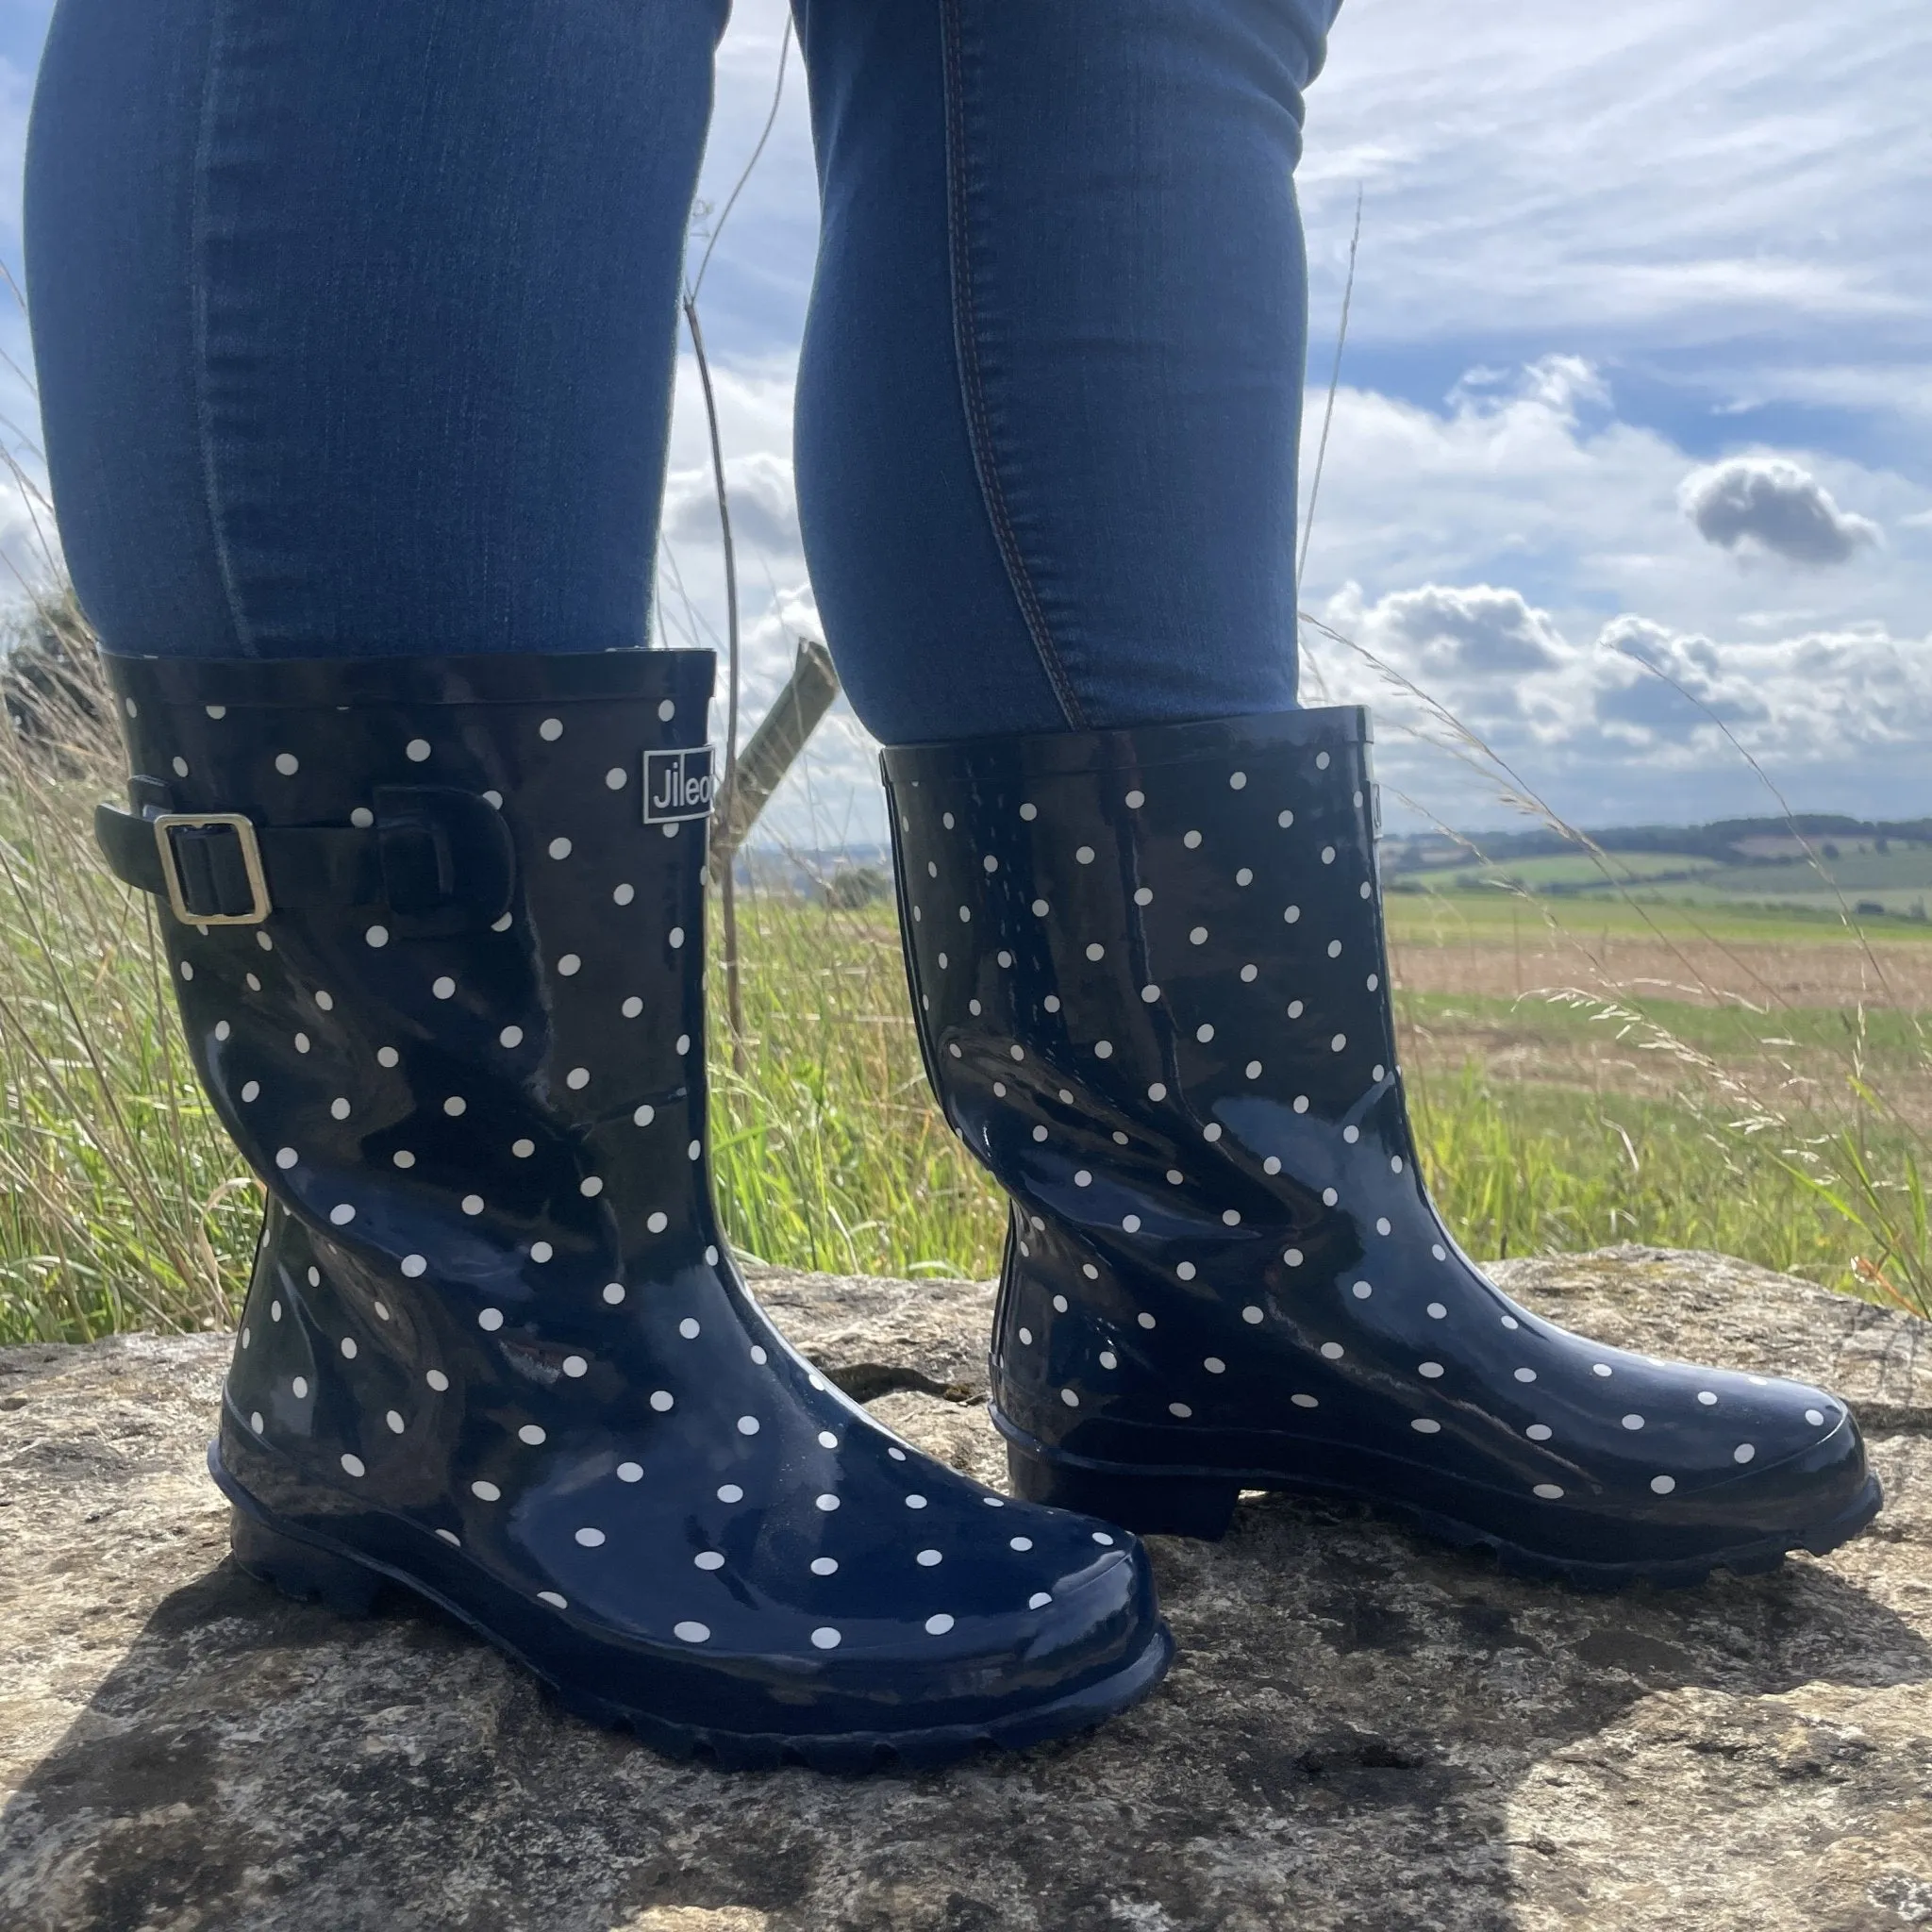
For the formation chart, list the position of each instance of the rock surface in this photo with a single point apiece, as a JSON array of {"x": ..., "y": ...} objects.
[{"x": 1363, "y": 1731}]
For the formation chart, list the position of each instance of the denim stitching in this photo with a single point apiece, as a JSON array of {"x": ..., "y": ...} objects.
[
  {"x": 198, "y": 304},
  {"x": 972, "y": 384}
]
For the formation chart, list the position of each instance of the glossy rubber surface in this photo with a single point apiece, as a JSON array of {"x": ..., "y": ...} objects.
[
  {"x": 1149, "y": 971},
  {"x": 352, "y": 1585},
  {"x": 494, "y": 1347}
]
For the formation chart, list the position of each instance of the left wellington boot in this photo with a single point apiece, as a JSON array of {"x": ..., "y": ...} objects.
[
  {"x": 435, "y": 926},
  {"x": 1151, "y": 984}
]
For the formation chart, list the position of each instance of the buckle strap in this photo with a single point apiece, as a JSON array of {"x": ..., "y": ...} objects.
[{"x": 438, "y": 859}]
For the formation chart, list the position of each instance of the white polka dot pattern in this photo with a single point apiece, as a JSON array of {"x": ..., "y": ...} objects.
[
  {"x": 491, "y": 1299},
  {"x": 1205, "y": 1145}
]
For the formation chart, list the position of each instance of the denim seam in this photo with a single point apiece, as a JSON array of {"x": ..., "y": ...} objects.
[
  {"x": 972, "y": 380},
  {"x": 198, "y": 305}
]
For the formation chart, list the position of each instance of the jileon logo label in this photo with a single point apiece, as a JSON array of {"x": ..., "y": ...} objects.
[{"x": 677, "y": 785}]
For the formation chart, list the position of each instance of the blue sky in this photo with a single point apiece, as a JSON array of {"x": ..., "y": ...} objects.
[{"x": 1639, "y": 374}]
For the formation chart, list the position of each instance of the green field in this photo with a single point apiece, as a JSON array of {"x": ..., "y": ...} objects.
[
  {"x": 1908, "y": 870},
  {"x": 1886, "y": 1038},
  {"x": 1490, "y": 913},
  {"x": 1886, "y": 905},
  {"x": 1895, "y": 884},
  {"x": 1573, "y": 869}
]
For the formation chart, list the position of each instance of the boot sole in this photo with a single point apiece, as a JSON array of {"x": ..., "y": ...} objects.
[
  {"x": 312, "y": 1570},
  {"x": 1153, "y": 1502}
]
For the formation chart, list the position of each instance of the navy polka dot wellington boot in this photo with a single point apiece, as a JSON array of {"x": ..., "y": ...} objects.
[
  {"x": 434, "y": 927},
  {"x": 1149, "y": 976}
]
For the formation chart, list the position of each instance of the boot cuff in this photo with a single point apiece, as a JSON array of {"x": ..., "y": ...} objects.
[{"x": 1141, "y": 747}]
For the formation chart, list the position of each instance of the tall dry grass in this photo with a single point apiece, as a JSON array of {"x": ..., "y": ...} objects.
[
  {"x": 122, "y": 1204},
  {"x": 1848, "y": 1145}
]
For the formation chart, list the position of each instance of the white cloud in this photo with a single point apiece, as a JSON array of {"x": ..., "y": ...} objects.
[
  {"x": 1697, "y": 194},
  {"x": 16, "y": 97},
  {"x": 1771, "y": 504},
  {"x": 1683, "y": 685},
  {"x": 1646, "y": 722},
  {"x": 756, "y": 286},
  {"x": 1477, "y": 631},
  {"x": 754, "y": 402},
  {"x": 831, "y": 795},
  {"x": 1666, "y": 172},
  {"x": 1817, "y": 699},
  {"x": 1529, "y": 479},
  {"x": 759, "y": 494}
]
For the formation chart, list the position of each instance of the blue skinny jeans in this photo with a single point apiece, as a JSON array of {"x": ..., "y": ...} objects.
[{"x": 356, "y": 327}]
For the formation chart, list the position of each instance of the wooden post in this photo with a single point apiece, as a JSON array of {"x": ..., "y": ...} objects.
[{"x": 773, "y": 749}]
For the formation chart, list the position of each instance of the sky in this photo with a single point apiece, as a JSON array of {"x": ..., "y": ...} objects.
[{"x": 1629, "y": 473}]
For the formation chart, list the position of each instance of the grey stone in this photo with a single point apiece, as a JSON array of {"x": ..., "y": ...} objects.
[{"x": 1363, "y": 1731}]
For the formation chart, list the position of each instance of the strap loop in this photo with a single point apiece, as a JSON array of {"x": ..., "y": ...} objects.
[{"x": 437, "y": 859}]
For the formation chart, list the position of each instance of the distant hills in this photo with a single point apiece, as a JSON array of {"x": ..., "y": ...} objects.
[
  {"x": 1818, "y": 862},
  {"x": 1728, "y": 841},
  {"x": 1814, "y": 861}
]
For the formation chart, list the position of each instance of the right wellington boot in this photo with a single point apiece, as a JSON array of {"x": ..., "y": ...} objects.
[
  {"x": 1152, "y": 989},
  {"x": 436, "y": 931}
]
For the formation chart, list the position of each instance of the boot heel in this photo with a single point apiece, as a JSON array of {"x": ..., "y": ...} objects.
[
  {"x": 1148, "y": 1504},
  {"x": 300, "y": 1569}
]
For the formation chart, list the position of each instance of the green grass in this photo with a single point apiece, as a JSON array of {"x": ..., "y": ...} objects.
[
  {"x": 828, "y": 1151},
  {"x": 1885, "y": 1039},
  {"x": 122, "y": 1205},
  {"x": 1894, "y": 885},
  {"x": 1903, "y": 867},
  {"x": 1564, "y": 869},
  {"x": 1518, "y": 1168},
  {"x": 1899, "y": 904},
  {"x": 1494, "y": 914}
]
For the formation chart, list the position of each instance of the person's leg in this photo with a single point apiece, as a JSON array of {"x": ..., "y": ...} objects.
[
  {"x": 1049, "y": 487},
  {"x": 402, "y": 284},
  {"x": 1051, "y": 386},
  {"x": 354, "y": 326}
]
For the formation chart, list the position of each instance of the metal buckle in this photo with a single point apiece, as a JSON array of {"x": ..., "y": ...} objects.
[{"x": 243, "y": 828}]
